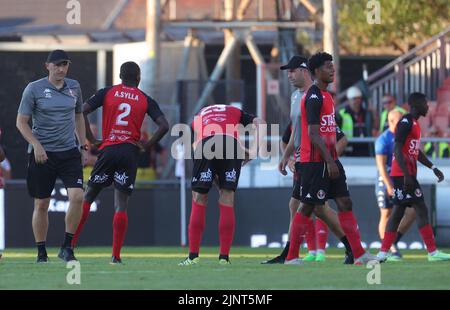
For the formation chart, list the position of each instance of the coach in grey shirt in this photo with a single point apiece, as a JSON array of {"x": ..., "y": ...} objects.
[{"x": 54, "y": 104}]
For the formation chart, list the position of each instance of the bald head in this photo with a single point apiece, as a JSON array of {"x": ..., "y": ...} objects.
[{"x": 393, "y": 118}]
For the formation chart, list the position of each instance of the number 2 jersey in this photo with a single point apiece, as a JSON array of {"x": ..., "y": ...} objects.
[
  {"x": 407, "y": 133},
  {"x": 124, "y": 109}
]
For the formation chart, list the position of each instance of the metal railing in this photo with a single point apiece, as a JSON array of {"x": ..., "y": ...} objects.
[{"x": 423, "y": 69}]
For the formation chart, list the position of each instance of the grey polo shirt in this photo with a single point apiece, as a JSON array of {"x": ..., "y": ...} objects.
[
  {"x": 296, "y": 98},
  {"x": 52, "y": 112}
]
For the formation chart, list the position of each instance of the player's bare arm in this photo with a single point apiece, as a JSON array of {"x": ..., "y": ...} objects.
[
  {"x": 288, "y": 151},
  {"x": 423, "y": 159},
  {"x": 381, "y": 165},
  {"x": 341, "y": 145},
  {"x": 22, "y": 125},
  {"x": 163, "y": 128},
  {"x": 87, "y": 109},
  {"x": 313, "y": 131}
]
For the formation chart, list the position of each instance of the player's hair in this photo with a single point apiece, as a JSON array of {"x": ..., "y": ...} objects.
[
  {"x": 317, "y": 60},
  {"x": 129, "y": 71},
  {"x": 416, "y": 99}
]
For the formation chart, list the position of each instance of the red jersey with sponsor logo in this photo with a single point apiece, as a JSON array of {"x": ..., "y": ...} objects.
[
  {"x": 124, "y": 109},
  {"x": 317, "y": 108},
  {"x": 219, "y": 119},
  {"x": 407, "y": 133}
]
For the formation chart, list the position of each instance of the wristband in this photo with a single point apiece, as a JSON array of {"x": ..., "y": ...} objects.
[{"x": 433, "y": 167}]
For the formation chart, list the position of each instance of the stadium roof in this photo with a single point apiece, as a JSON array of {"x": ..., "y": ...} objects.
[{"x": 119, "y": 21}]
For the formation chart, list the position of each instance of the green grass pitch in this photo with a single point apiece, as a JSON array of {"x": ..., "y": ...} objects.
[{"x": 156, "y": 268}]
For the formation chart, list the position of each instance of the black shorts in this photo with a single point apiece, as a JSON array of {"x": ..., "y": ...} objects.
[
  {"x": 227, "y": 169},
  {"x": 316, "y": 186},
  {"x": 296, "y": 185},
  {"x": 401, "y": 197},
  {"x": 65, "y": 165},
  {"x": 116, "y": 163}
]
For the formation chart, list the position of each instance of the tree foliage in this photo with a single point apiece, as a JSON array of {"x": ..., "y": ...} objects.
[{"x": 402, "y": 22}]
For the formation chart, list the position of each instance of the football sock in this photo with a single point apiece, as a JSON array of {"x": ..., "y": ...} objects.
[
  {"x": 67, "y": 240},
  {"x": 226, "y": 228},
  {"x": 388, "y": 240},
  {"x": 428, "y": 238},
  {"x": 321, "y": 234},
  {"x": 298, "y": 231},
  {"x": 196, "y": 226},
  {"x": 311, "y": 236},
  {"x": 350, "y": 227},
  {"x": 41, "y": 248},
  {"x": 285, "y": 250},
  {"x": 84, "y": 217},
  {"x": 120, "y": 225}
]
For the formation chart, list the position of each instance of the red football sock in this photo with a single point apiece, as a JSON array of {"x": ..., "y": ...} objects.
[
  {"x": 388, "y": 240},
  {"x": 196, "y": 226},
  {"x": 311, "y": 235},
  {"x": 321, "y": 234},
  {"x": 226, "y": 228},
  {"x": 350, "y": 227},
  {"x": 298, "y": 231},
  {"x": 120, "y": 225},
  {"x": 84, "y": 217},
  {"x": 428, "y": 238}
]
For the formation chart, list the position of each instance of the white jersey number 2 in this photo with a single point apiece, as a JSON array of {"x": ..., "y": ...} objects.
[{"x": 126, "y": 108}]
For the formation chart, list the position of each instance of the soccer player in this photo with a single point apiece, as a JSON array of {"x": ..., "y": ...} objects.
[
  {"x": 407, "y": 190},
  {"x": 384, "y": 188},
  {"x": 54, "y": 104},
  {"x": 300, "y": 77},
  {"x": 215, "y": 129},
  {"x": 322, "y": 174},
  {"x": 124, "y": 108}
]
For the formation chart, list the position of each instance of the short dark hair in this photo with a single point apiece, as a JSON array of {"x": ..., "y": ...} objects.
[
  {"x": 317, "y": 60},
  {"x": 129, "y": 71},
  {"x": 416, "y": 98}
]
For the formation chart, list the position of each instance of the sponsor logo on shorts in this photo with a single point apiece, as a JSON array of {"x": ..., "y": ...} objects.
[
  {"x": 399, "y": 194},
  {"x": 308, "y": 196},
  {"x": 206, "y": 176},
  {"x": 418, "y": 192},
  {"x": 321, "y": 194},
  {"x": 120, "y": 178},
  {"x": 79, "y": 181},
  {"x": 99, "y": 178},
  {"x": 230, "y": 176}
]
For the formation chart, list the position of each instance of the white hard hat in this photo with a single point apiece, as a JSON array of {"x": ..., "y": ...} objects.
[{"x": 353, "y": 92}]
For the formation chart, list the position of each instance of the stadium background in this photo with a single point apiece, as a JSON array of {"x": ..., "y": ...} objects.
[{"x": 155, "y": 210}]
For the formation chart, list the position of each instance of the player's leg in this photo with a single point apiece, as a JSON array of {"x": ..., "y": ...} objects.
[
  {"x": 40, "y": 183},
  {"x": 314, "y": 186},
  {"x": 120, "y": 223},
  {"x": 202, "y": 179},
  {"x": 328, "y": 216},
  {"x": 406, "y": 223},
  {"x": 40, "y": 227},
  {"x": 89, "y": 196},
  {"x": 426, "y": 232},
  {"x": 339, "y": 191},
  {"x": 226, "y": 223},
  {"x": 228, "y": 172},
  {"x": 321, "y": 237},
  {"x": 294, "y": 204},
  {"x": 70, "y": 170},
  {"x": 101, "y": 177},
  {"x": 311, "y": 241},
  {"x": 124, "y": 177}
]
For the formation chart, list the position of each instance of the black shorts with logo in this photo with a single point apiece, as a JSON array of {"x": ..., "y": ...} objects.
[
  {"x": 66, "y": 165},
  {"x": 317, "y": 187},
  {"x": 297, "y": 181},
  {"x": 207, "y": 167},
  {"x": 116, "y": 163},
  {"x": 401, "y": 197}
]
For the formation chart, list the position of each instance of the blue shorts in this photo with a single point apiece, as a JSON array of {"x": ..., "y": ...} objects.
[{"x": 383, "y": 199}]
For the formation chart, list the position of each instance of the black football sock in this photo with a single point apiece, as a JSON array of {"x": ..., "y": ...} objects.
[
  {"x": 67, "y": 240},
  {"x": 41, "y": 248},
  {"x": 348, "y": 248},
  {"x": 193, "y": 255}
]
